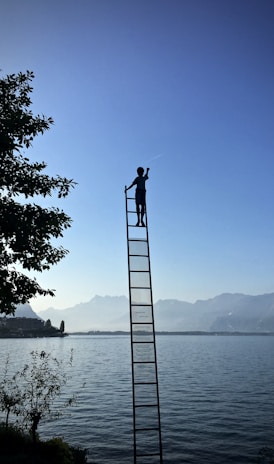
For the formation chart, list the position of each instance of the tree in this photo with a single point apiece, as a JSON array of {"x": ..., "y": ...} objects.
[
  {"x": 42, "y": 379},
  {"x": 48, "y": 324},
  {"x": 62, "y": 327},
  {"x": 10, "y": 395},
  {"x": 30, "y": 393},
  {"x": 26, "y": 229}
]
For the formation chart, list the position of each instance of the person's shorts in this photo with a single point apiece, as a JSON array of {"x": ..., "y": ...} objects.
[{"x": 140, "y": 197}]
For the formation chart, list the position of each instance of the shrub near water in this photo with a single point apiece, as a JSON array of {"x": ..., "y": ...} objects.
[
  {"x": 29, "y": 394},
  {"x": 18, "y": 448},
  {"x": 27, "y": 397}
]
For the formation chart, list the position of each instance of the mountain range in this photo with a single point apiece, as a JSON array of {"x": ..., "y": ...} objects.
[{"x": 227, "y": 312}]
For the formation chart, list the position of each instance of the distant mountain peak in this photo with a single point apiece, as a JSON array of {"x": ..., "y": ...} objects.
[
  {"x": 224, "y": 312},
  {"x": 23, "y": 310}
]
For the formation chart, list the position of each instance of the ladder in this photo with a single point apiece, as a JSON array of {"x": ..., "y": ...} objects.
[{"x": 145, "y": 390}]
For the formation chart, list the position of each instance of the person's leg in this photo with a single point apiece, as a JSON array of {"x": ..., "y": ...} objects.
[
  {"x": 138, "y": 213},
  {"x": 142, "y": 214},
  {"x": 143, "y": 207}
]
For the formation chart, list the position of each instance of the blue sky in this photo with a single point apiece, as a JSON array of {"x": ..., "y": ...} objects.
[{"x": 184, "y": 87}]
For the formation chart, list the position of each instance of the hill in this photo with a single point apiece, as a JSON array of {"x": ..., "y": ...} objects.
[
  {"x": 24, "y": 310},
  {"x": 226, "y": 312},
  {"x": 100, "y": 313}
]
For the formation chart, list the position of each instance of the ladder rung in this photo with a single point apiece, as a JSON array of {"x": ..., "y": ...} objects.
[
  {"x": 147, "y": 288},
  {"x": 143, "y": 341},
  {"x": 144, "y": 362},
  {"x": 146, "y": 428},
  {"x": 142, "y": 304},
  {"x": 134, "y": 254},
  {"x": 138, "y": 271},
  {"x": 142, "y": 323},
  {"x": 145, "y": 383},
  {"x": 146, "y": 405},
  {"x": 137, "y": 240},
  {"x": 140, "y": 227}
]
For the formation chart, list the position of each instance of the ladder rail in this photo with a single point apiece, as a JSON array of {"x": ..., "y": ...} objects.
[{"x": 131, "y": 335}]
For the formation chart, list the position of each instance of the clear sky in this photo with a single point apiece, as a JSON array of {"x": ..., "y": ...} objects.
[{"x": 185, "y": 87}]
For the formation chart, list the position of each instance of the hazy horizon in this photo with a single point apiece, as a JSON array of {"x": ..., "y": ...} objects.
[{"x": 154, "y": 302}]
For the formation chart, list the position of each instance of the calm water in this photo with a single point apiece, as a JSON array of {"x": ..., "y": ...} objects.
[{"x": 216, "y": 393}]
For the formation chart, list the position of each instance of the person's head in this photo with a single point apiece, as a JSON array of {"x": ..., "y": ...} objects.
[{"x": 140, "y": 171}]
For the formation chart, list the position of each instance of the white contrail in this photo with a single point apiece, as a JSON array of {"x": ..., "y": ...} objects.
[{"x": 154, "y": 158}]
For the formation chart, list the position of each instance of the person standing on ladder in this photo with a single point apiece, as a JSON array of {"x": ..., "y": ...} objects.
[{"x": 140, "y": 194}]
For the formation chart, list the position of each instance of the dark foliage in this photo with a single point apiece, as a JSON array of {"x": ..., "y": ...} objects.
[
  {"x": 26, "y": 229},
  {"x": 29, "y": 395},
  {"x": 18, "y": 448}
]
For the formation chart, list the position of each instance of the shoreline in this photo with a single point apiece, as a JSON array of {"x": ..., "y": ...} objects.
[{"x": 195, "y": 332}]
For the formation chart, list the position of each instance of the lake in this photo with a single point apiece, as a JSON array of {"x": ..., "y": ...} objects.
[{"x": 216, "y": 396}]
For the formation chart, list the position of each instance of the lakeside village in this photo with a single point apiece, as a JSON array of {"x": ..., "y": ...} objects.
[{"x": 24, "y": 327}]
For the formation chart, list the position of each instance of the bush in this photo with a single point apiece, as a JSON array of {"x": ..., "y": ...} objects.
[
  {"x": 29, "y": 394},
  {"x": 18, "y": 448},
  {"x": 57, "y": 451}
]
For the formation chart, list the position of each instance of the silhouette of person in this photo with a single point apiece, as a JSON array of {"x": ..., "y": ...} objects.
[{"x": 140, "y": 194}]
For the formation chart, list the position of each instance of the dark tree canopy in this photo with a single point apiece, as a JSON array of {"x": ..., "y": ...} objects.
[{"x": 26, "y": 229}]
